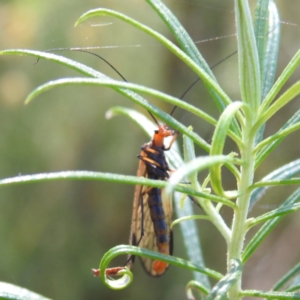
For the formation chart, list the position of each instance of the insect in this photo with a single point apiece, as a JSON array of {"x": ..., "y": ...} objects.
[{"x": 152, "y": 211}]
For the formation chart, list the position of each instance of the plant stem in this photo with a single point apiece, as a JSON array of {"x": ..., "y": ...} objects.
[
  {"x": 240, "y": 216},
  {"x": 217, "y": 220}
]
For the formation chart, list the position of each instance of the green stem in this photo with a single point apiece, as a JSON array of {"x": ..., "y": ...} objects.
[
  {"x": 217, "y": 220},
  {"x": 238, "y": 227}
]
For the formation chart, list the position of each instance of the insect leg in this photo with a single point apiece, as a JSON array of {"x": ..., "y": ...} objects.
[
  {"x": 193, "y": 199},
  {"x": 172, "y": 141}
]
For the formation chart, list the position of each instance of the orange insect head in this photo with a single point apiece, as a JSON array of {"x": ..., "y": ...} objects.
[{"x": 162, "y": 132}]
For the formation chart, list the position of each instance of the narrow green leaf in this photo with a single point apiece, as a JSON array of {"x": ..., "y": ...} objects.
[
  {"x": 197, "y": 165},
  {"x": 249, "y": 70},
  {"x": 123, "y": 86},
  {"x": 189, "y": 228},
  {"x": 12, "y": 292},
  {"x": 92, "y": 73},
  {"x": 207, "y": 80},
  {"x": 294, "y": 286},
  {"x": 287, "y": 277},
  {"x": 284, "y": 99},
  {"x": 218, "y": 142},
  {"x": 294, "y": 180},
  {"x": 281, "y": 211},
  {"x": 205, "y": 195},
  {"x": 195, "y": 285},
  {"x": 222, "y": 128},
  {"x": 189, "y": 47},
  {"x": 261, "y": 29},
  {"x": 285, "y": 172},
  {"x": 82, "y": 175},
  {"x": 271, "y": 295},
  {"x": 182, "y": 37},
  {"x": 189, "y": 155},
  {"x": 263, "y": 153},
  {"x": 267, "y": 227},
  {"x": 80, "y": 68},
  {"x": 191, "y": 217},
  {"x": 125, "y": 250},
  {"x": 190, "y": 235},
  {"x": 283, "y": 78},
  {"x": 169, "y": 99},
  {"x": 280, "y": 135},
  {"x": 222, "y": 287},
  {"x": 108, "y": 177},
  {"x": 271, "y": 55}
]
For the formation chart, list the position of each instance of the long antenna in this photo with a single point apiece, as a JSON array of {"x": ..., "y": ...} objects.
[
  {"x": 86, "y": 51},
  {"x": 153, "y": 117},
  {"x": 108, "y": 63},
  {"x": 198, "y": 79},
  {"x": 212, "y": 67}
]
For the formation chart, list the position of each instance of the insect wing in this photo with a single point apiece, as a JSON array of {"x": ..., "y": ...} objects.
[
  {"x": 134, "y": 234},
  {"x": 142, "y": 227}
]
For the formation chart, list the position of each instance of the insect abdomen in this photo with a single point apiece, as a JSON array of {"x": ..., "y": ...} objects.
[
  {"x": 162, "y": 234},
  {"x": 158, "y": 218}
]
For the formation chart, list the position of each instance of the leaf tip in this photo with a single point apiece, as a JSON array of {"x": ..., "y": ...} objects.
[
  {"x": 109, "y": 114},
  {"x": 27, "y": 100}
]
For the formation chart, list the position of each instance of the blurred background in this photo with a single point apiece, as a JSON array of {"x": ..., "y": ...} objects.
[{"x": 52, "y": 234}]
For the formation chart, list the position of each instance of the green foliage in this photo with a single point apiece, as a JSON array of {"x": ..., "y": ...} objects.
[
  {"x": 13, "y": 292},
  {"x": 242, "y": 121}
]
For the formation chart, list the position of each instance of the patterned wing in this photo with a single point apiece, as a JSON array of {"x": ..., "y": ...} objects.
[
  {"x": 141, "y": 220},
  {"x": 134, "y": 233}
]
